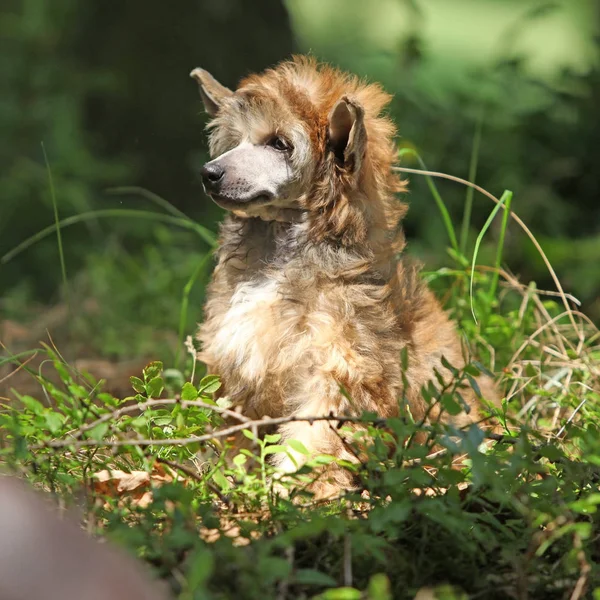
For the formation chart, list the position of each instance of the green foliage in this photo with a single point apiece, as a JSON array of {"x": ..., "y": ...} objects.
[
  {"x": 439, "y": 512},
  {"x": 77, "y": 81},
  {"x": 76, "y": 78},
  {"x": 519, "y": 511}
]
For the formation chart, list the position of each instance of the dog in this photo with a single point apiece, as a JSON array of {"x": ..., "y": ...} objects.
[{"x": 311, "y": 304}]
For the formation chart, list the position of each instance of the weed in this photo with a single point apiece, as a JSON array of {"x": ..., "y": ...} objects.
[{"x": 463, "y": 513}]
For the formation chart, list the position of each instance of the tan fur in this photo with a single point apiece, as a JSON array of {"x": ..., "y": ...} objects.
[{"x": 297, "y": 309}]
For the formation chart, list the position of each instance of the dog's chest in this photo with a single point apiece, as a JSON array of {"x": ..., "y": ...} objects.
[{"x": 252, "y": 336}]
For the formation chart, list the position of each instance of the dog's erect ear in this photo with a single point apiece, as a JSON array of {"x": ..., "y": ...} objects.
[
  {"x": 347, "y": 133},
  {"x": 211, "y": 91}
]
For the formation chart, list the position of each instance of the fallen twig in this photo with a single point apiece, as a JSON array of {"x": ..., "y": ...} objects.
[{"x": 226, "y": 432}]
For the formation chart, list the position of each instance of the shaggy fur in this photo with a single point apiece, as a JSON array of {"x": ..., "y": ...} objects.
[{"x": 310, "y": 294}]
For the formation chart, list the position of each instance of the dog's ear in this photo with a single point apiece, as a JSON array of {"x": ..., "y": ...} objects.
[
  {"x": 211, "y": 91},
  {"x": 347, "y": 133}
]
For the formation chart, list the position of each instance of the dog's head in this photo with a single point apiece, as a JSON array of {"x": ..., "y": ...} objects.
[{"x": 301, "y": 139}]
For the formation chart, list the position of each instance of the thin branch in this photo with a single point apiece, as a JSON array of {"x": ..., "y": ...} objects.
[
  {"x": 226, "y": 432},
  {"x": 179, "y": 467},
  {"x": 562, "y": 429},
  {"x": 222, "y": 433},
  {"x": 116, "y": 414},
  {"x": 21, "y": 366},
  {"x": 195, "y": 476}
]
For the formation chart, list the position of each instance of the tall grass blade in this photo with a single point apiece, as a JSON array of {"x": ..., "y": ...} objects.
[
  {"x": 437, "y": 197},
  {"x": 135, "y": 190},
  {"x": 466, "y": 222},
  {"x": 500, "y": 248},
  {"x": 506, "y": 196},
  {"x": 205, "y": 234},
  {"x": 565, "y": 298},
  {"x": 14, "y": 358},
  {"x": 61, "y": 254}
]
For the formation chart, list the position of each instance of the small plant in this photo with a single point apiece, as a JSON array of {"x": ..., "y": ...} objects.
[{"x": 437, "y": 511}]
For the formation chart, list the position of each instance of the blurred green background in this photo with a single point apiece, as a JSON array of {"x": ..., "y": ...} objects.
[{"x": 104, "y": 86}]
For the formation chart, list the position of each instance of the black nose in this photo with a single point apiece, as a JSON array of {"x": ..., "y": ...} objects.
[{"x": 212, "y": 174}]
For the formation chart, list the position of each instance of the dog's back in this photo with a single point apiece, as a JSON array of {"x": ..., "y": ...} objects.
[{"x": 309, "y": 294}]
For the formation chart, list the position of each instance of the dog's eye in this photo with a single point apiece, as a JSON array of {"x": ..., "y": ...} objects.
[{"x": 280, "y": 144}]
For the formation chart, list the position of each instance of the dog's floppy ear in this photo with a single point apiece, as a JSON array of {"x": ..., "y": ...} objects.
[
  {"x": 347, "y": 133},
  {"x": 211, "y": 91}
]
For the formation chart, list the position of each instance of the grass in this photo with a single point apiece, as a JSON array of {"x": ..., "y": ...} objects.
[
  {"x": 466, "y": 222},
  {"x": 462, "y": 515},
  {"x": 505, "y": 199},
  {"x": 186, "y": 223},
  {"x": 61, "y": 254}
]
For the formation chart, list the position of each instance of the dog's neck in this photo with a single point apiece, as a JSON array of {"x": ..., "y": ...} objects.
[
  {"x": 272, "y": 214},
  {"x": 254, "y": 245}
]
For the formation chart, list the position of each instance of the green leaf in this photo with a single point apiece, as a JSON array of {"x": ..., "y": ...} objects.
[
  {"x": 201, "y": 566},
  {"x": 449, "y": 366},
  {"x": 465, "y": 406},
  {"x": 137, "y": 384},
  {"x": 298, "y": 447},
  {"x": 379, "y": 587},
  {"x": 586, "y": 506},
  {"x": 483, "y": 369},
  {"x": 272, "y": 438},
  {"x": 63, "y": 372},
  {"x": 474, "y": 385},
  {"x": 249, "y": 434},
  {"x": 274, "y": 450},
  {"x": 239, "y": 460},
  {"x": 209, "y": 384},
  {"x": 97, "y": 433},
  {"x": 139, "y": 421},
  {"x": 531, "y": 371},
  {"x": 78, "y": 391},
  {"x": 153, "y": 370},
  {"x": 155, "y": 387},
  {"x": 189, "y": 392},
  {"x": 249, "y": 454},
  {"x": 314, "y": 577},
  {"x": 551, "y": 452},
  {"x": 322, "y": 459},
  {"x": 471, "y": 369},
  {"x": 157, "y": 433},
  {"x": 221, "y": 480},
  {"x": 54, "y": 421},
  {"x": 35, "y": 406},
  {"x": 451, "y": 406},
  {"x": 108, "y": 399}
]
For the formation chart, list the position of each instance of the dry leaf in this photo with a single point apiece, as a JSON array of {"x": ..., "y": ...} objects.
[
  {"x": 228, "y": 529},
  {"x": 134, "y": 487},
  {"x": 231, "y": 529},
  {"x": 462, "y": 487}
]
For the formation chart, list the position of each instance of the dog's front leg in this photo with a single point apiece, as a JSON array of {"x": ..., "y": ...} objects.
[{"x": 318, "y": 438}]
